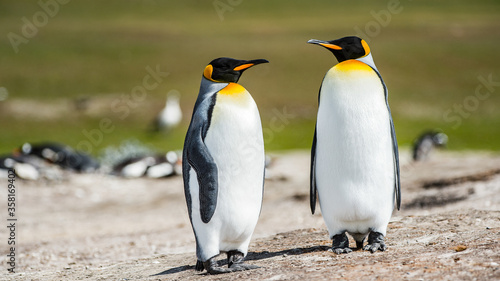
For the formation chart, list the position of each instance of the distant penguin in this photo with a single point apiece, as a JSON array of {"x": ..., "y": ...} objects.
[
  {"x": 22, "y": 166},
  {"x": 171, "y": 115},
  {"x": 134, "y": 167},
  {"x": 223, "y": 166},
  {"x": 151, "y": 166},
  {"x": 164, "y": 166},
  {"x": 354, "y": 156},
  {"x": 61, "y": 155},
  {"x": 424, "y": 144}
]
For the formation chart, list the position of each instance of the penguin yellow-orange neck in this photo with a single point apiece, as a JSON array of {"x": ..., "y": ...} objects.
[
  {"x": 350, "y": 65},
  {"x": 233, "y": 89}
]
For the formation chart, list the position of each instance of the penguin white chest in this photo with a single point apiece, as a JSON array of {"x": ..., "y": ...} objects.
[
  {"x": 354, "y": 157},
  {"x": 235, "y": 141}
]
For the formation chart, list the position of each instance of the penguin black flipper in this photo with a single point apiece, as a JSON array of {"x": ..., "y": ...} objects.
[
  {"x": 313, "y": 190},
  {"x": 199, "y": 158},
  {"x": 397, "y": 184},
  {"x": 395, "y": 149}
]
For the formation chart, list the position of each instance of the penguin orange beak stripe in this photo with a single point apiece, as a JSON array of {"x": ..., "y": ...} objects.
[
  {"x": 331, "y": 46},
  {"x": 243, "y": 66}
]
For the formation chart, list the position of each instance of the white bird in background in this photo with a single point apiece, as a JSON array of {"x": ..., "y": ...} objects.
[{"x": 171, "y": 114}]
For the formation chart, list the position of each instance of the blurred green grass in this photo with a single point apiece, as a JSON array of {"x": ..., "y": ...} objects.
[{"x": 430, "y": 54}]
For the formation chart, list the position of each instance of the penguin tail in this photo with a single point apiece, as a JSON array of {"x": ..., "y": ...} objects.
[{"x": 199, "y": 266}]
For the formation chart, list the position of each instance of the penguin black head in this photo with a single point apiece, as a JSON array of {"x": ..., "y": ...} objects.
[
  {"x": 350, "y": 47},
  {"x": 228, "y": 70}
]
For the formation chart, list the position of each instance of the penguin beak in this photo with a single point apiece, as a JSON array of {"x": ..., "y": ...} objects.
[
  {"x": 325, "y": 44},
  {"x": 248, "y": 64}
]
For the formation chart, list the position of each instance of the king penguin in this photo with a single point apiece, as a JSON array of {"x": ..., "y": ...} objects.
[
  {"x": 354, "y": 156},
  {"x": 223, "y": 166}
]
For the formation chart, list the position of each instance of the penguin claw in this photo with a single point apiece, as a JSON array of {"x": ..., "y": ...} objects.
[
  {"x": 375, "y": 242},
  {"x": 375, "y": 246},
  {"x": 212, "y": 267},
  {"x": 340, "y": 244},
  {"x": 235, "y": 261},
  {"x": 218, "y": 270},
  {"x": 339, "y": 251},
  {"x": 233, "y": 268}
]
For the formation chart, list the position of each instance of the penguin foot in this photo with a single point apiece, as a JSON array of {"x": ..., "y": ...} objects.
[
  {"x": 199, "y": 266},
  {"x": 235, "y": 261},
  {"x": 212, "y": 267},
  {"x": 375, "y": 242},
  {"x": 340, "y": 244}
]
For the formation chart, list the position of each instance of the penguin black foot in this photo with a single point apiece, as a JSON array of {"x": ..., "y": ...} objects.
[
  {"x": 375, "y": 242},
  {"x": 199, "y": 266},
  {"x": 340, "y": 244},
  {"x": 235, "y": 261},
  {"x": 212, "y": 267}
]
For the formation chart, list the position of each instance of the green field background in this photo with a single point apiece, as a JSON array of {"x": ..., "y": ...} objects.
[{"x": 434, "y": 56}]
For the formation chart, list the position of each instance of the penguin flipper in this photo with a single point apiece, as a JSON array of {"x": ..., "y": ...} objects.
[
  {"x": 203, "y": 163},
  {"x": 199, "y": 158},
  {"x": 313, "y": 190},
  {"x": 395, "y": 150},
  {"x": 397, "y": 184}
]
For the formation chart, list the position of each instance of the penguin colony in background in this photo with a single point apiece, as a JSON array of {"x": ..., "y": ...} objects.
[
  {"x": 171, "y": 115},
  {"x": 354, "y": 158}
]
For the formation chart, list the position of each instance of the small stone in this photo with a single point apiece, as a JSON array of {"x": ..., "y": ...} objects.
[{"x": 460, "y": 248}]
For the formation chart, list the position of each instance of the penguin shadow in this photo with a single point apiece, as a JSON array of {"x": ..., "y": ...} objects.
[
  {"x": 174, "y": 270},
  {"x": 252, "y": 256}
]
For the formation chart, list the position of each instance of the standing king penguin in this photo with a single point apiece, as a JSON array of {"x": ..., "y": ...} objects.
[
  {"x": 354, "y": 156},
  {"x": 223, "y": 166}
]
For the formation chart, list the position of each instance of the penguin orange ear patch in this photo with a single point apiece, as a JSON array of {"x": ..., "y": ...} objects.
[
  {"x": 208, "y": 72},
  {"x": 365, "y": 46},
  {"x": 243, "y": 66}
]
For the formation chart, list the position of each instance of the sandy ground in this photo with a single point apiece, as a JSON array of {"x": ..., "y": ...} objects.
[{"x": 98, "y": 227}]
